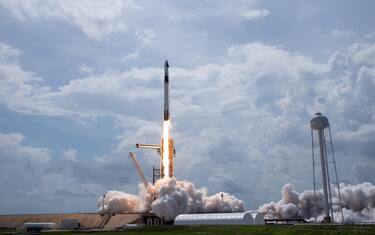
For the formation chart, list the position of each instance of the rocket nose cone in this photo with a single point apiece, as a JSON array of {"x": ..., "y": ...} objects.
[{"x": 166, "y": 63}]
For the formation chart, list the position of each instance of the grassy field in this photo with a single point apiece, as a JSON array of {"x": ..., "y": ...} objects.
[{"x": 233, "y": 230}]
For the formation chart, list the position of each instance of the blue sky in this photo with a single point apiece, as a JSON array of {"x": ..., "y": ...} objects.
[{"x": 81, "y": 83}]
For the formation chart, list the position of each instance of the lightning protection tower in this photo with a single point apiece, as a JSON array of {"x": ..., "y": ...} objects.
[{"x": 320, "y": 126}]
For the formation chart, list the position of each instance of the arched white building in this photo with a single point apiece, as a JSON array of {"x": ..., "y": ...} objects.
[
  {"x": 219, "y": 218},
  {"x": 257, "y": 217}
]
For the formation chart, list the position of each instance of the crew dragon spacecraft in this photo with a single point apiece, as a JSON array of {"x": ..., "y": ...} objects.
[{"x": 165, "y": 148}]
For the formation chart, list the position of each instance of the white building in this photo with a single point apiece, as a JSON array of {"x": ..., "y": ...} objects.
[
  {"x": 258, "y": 217},
  {"x": 248, "y": 218},
  {"x": 38, "y": 226}
]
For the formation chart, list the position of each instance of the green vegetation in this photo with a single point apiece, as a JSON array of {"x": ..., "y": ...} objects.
[
  {"x": 235, "y": 229},
  {"x": 4, "y": 231}
]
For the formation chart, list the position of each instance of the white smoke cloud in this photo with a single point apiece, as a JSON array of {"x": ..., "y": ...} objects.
[
  {"x": 358, "y": 203},
  {"x": 168, "y": 198},
  {"x": 117, "y": 202}
]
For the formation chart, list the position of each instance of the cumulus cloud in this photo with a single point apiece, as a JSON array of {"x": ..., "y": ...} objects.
[
  {"x": 11, "y": 146},
  {"x": 145, "y": 36},
  {"x": 362, "y": 54},
  {"x": 8, "y": 53},
  {"x": 264, "y": 96},
  {"x": 19, "y": 88},
  {"x": 20, "y": 91},
  {"x": 131, "y": 56},
  {"x": 239, "y": 118},
  {"x": 70, "y": 154},
  {"x": 97, "y": 19},
  {"x": 359, "y": 140},
  {"x": 38, "y": 179},
  {"x": 84, "y": 68},
  {"x": 255, "y": 14},
  {"x": 256, "y": 63}
]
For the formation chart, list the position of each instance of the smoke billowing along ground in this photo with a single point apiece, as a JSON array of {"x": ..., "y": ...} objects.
[
  {"x": 168, "y": 198},
  {"x": 358, "y": 202}
]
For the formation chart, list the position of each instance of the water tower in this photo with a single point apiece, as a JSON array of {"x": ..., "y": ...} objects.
[{"x": 320, "y": 125}]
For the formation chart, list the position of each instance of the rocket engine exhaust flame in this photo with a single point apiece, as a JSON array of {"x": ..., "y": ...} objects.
[{"x": 165, "y": 154}]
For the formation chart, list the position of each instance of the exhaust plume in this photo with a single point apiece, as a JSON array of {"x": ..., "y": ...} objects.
[
  {"x": 168, "y": 198},
  {"x": 165, "y": 153},
  {"x": 357, "y": 201}
]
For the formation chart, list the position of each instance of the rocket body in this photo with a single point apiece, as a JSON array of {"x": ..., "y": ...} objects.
[
  {"x": 166, "y": 146},
  {"x": 166, "y": 91},
  {"x": 167, "y": 149}
]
